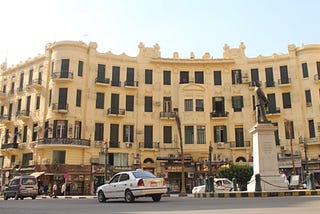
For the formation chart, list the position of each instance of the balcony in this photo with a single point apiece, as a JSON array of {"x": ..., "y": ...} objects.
[
  {"x": 219, "y": 115},
  {"x": 284, "y": 82},
  {"x": 149, "y": 145},
  {"x": 9, "y": 146},
  {"x": 20, "y": 89},
  {"x": 252, "y": 84},
  {"x": 49, "y": 142},
  {"x": 5, "y": 119},
  {"x": 62, "y": 76},
  {"x": 23, "y": 114},
  {"x": 273, "y": 111},
  {"x": 239, "y": 144},
  {"x": 168, "y": 115},
  {"x": 115, "y": 112},
  {"x": 102, "y": 81},
  {"x": 60, "y": 108},
  {"x": 35, "y": 84},
  {"x": 116, "y": 83},
  {"x": 270, "y": 84},
  {"x": 131, "y": 84}
]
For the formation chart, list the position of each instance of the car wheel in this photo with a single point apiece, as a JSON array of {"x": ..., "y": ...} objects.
[
  {"x": 128, "y": 196},
  {"x": 101, "y": 197},
  {"x": 16, "y": 196},
  {"x": 21, "y": 198},
  {"x": 156, "y": 198},
  {"x": 5, "y": 197},
  {"x": 33, "y": 197}
]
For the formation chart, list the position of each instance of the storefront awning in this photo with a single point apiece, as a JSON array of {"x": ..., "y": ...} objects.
[{"x": 37, "y": 174}]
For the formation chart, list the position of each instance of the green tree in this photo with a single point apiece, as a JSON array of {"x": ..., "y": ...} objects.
[{"x": 242, "y": 173}]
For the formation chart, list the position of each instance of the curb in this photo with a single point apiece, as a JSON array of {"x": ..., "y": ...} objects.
[{"x": 257, "y": 194}]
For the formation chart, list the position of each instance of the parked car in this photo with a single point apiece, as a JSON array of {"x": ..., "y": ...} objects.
[
  {"x": 21, "y": 187},
  {"x": 131, "y": 185},
  {"x": 220, "y": 185}
]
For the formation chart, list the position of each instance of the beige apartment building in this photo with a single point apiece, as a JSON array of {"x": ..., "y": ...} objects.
[{"x": 63, "y": 113}]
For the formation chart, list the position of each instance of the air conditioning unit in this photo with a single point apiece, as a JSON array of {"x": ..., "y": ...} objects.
[
  {"x": 21, "y": 145},
  {"x": 31, "y": 162},
  {"x": 136, "y": 155},
  {"x": 128, "y": 145},
  {"x": 220, "y": 145},
  {"x": 137, "y": 161},
  {"x": 309, "y": 104},
  {"x": 45, "y": 161},
  {"x": 171, "y": 155},
  {"x": 190, "y": 175}
]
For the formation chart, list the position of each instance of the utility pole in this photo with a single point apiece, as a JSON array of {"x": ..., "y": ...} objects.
[{"x": 183, "y": 179}]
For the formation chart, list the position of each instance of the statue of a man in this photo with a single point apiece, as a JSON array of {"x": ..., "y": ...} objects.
[{"x": 261, "y": 102}]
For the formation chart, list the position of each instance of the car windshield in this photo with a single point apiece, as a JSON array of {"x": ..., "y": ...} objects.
[
  {"x": 28, "y": 181},
  {"x": 143, "y": 174}
]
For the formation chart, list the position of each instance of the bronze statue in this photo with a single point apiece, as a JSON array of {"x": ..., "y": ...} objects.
[{"x": 261, "y": 102}]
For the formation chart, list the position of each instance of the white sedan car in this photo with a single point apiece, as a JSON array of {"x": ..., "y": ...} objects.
[
  {"x": 220, "y": 185},
  {"x": 131, "y": 185}
]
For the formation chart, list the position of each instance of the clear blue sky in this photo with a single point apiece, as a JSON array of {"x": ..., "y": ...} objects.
[{"x": 199, "y": 26}]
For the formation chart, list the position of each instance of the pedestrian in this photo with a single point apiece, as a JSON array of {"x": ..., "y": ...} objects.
[
  {"x": 45, "y": 189},
  {"x": 54, "y": 190},
  {"x": 63, "y": 188}
]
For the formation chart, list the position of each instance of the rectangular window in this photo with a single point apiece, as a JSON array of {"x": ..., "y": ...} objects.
[
  {"x": 236, "y": 77},
  {"x": 199, "y": 78},
  {"x": 217, "y": 77},
  {"x": 284, "y": 74},
  {"x": 254, "y": 76},
  {"x": 148, "y": 136},
  {"x": 305, "y": 72},
  {"x": 272, "y": 106},
  {"x": 129, "y": 103},
  {"x": 201, "y": 135},
  {"x": 114, "y": 135},
  {"x": 115, "y": 76},
  {"x": 148, "y": 104},
  {"x": 77, "y": 129},
  {"x": 98, "y": 133},
  {"x": 188, "y": 105},
  {"x": 220, "y": 134},
  {"x": 269, "y": 77},
  {"x": 65, "y": 65},
  {"x": 34, "y": 132},
  {"x": 80, "y": 68},
  {"x": 237, "y": 103},
  {"x": 38, "y": 102},
  {"x": 276, "y": 134},
  {"x": 167, "y": 134},
  {"x": 286, "y": 100},
  {"x": 128, "y": 133},
  {"x": 308, "y": 97},
  {"x": 289, "y": 129},
  {"x": 50, "y": 97},
  {"x": 218, "y": 108},
  {"x": 1, "y": 161},
  {"x": 199, "y": 105},
  {"x": 25, "y": 134},
  {"x": 130, "y": 78},
  {"x": 78, "y": 98},
  {"x": 184, "y": 77},
  {"x": 239, "y": 137},
  {"x": 101, "y": 75},
  {"x": 100, "y": 100},
  {"x": 188, "y": 135},
  {"x": 59, "y": 157},
  {"x": 26, "y": 158},
  {"x": 166, "y": 77},
  {"x": 148, "y": 76},
  {"x": 60, "y": 128},
  {"x": 312, "y": 133}
]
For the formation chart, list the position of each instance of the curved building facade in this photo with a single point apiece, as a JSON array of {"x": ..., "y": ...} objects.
[{"x": 76, "y": 115}]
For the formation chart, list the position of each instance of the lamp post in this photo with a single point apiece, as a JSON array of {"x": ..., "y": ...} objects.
[
  {"x": 305, "y": 146},
  {"x": 289, "y": 128},
  {"x": 210, "y": 181},
  {"x": 106, "y": 162}
]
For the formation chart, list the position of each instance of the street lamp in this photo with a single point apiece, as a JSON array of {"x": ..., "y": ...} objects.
[
  {"x": 305, "y": 146},
  {"x": 288, "y": 125},
  {"x": 106, "y": 162}
]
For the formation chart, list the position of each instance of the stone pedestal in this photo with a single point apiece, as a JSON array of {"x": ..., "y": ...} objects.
[{"x": 265, "y": 161}]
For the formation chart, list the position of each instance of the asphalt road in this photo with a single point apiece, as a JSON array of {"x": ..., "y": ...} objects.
[{"x": 168, "y": 205}]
